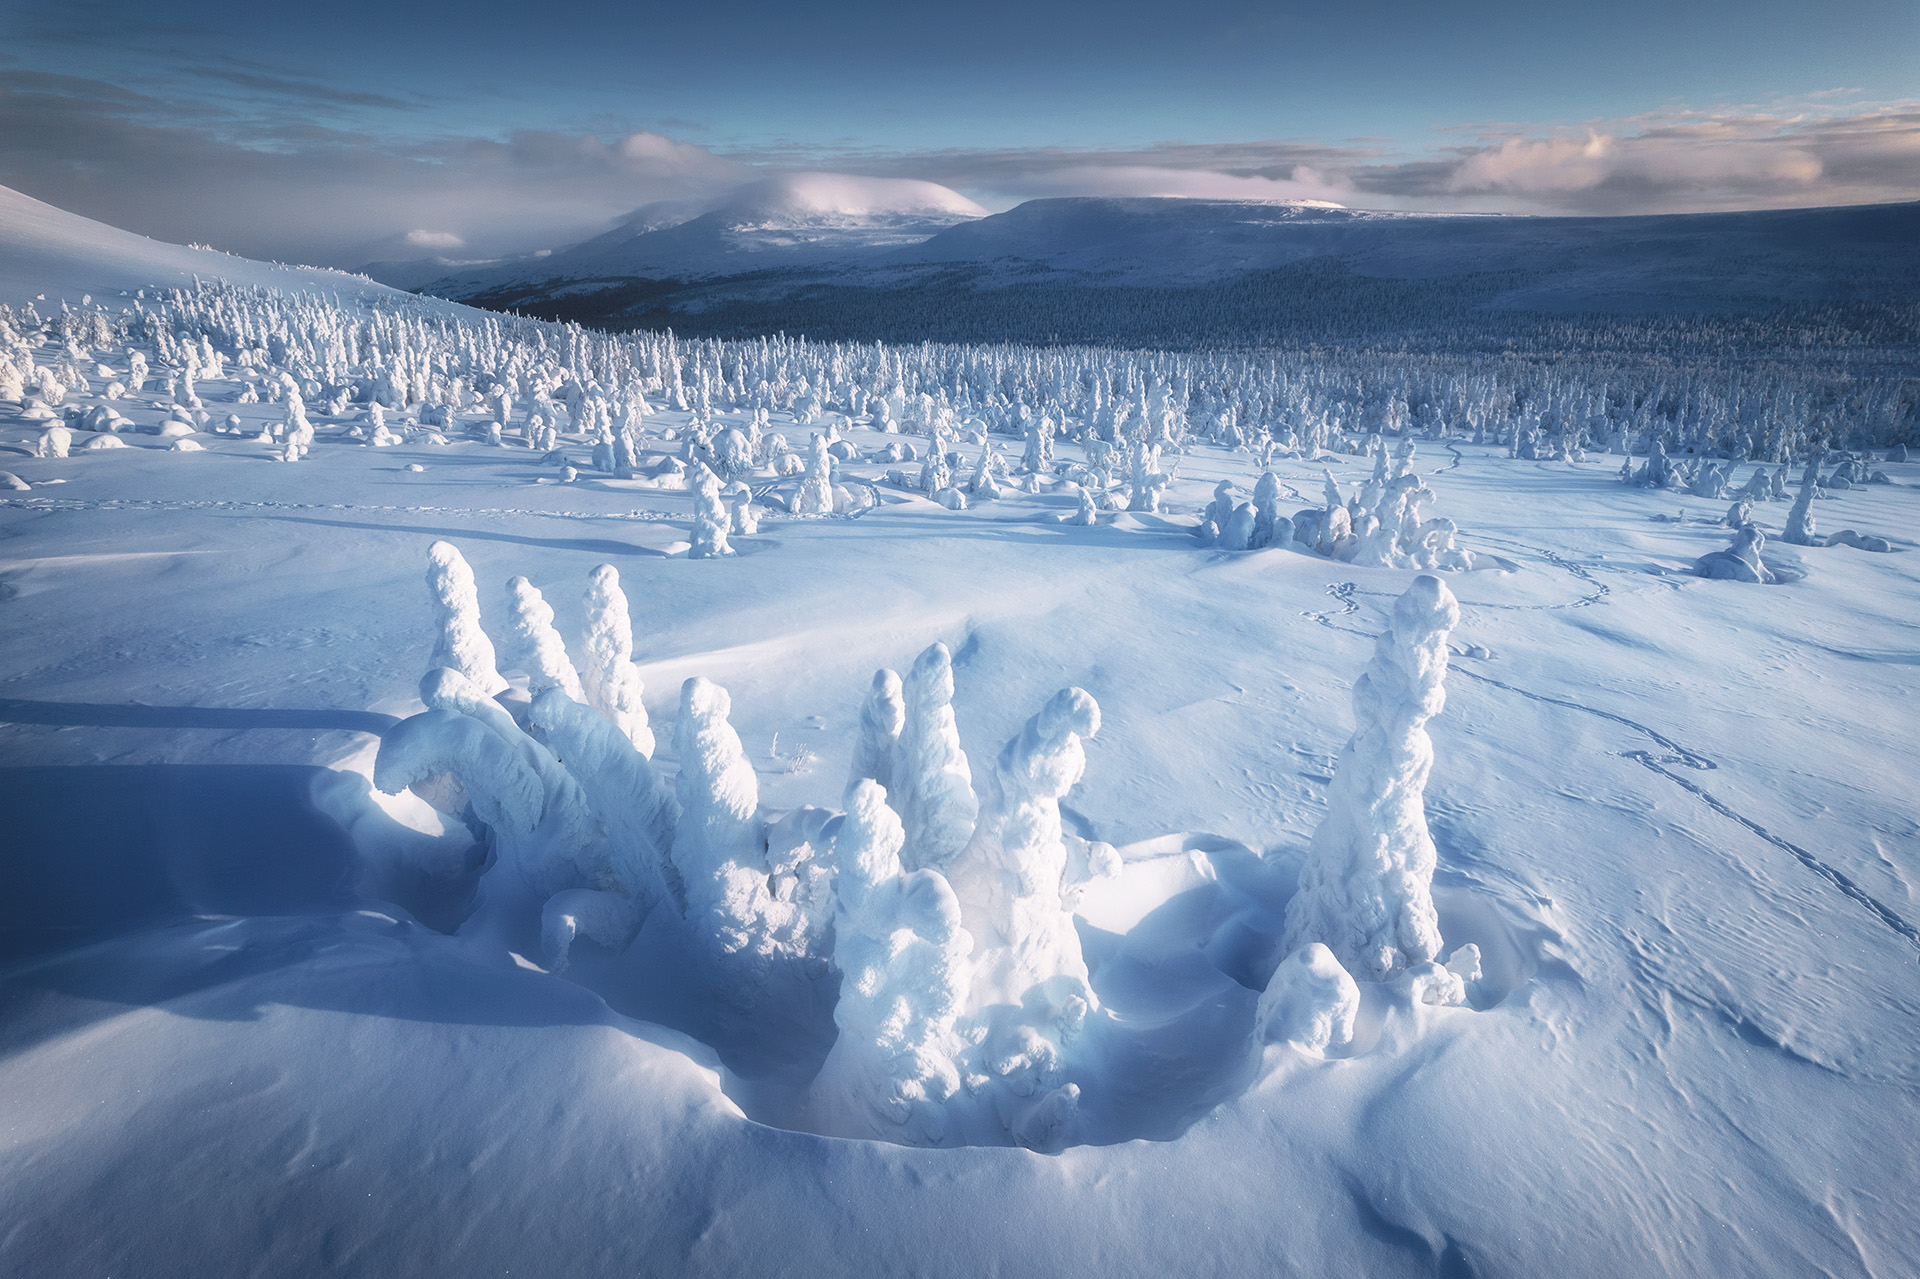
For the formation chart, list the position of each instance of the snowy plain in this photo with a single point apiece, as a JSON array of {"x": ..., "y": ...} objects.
[{"x": 238, "y": 1035}]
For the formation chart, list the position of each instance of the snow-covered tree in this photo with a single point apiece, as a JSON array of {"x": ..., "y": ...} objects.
[
  {"x": 1801, "y": 526},
  {"x": 902, "y": 955},
  {"x": 711, "y": 518},
  {"x": 535, "y": 645},
  {"x": 1366, "y": 888},
  {"x": 882, "y": 715},
  {"x": 1015, "y": 871},
  {"x": 933, "y": 784},
  {"x": 1311, "y": 1002},
  {"x": 816, "y": 490},
  {"x": 463, "y": 646},
  {"x": 610, "y": 678}
]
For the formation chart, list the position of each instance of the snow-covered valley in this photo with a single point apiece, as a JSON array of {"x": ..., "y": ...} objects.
[{"x": 651, "y": 932}]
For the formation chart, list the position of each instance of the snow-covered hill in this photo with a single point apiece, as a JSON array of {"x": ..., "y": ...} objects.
[
  {"x": 793, "y": 220},
  {"x": 48, "y": 250},
  {"x": 1194, "y": 272}
]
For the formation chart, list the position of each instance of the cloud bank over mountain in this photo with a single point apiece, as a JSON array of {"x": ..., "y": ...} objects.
[{"x": 324, "y": 173}]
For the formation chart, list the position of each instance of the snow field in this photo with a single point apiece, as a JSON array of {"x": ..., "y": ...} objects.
[{"x": 1670, "y": 813}]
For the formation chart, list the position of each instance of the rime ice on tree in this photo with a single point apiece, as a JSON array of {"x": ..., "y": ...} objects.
[
  {"x": 463, "y": 646},
  {"x": 902, "y": 955},
  {"x": 1366, "y": 888},
  {"x": 611, "y": 680},
  {"x": 933, "y": 784}
]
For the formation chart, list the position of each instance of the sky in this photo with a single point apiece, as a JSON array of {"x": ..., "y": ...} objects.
[{"x": 350, "y": 130}]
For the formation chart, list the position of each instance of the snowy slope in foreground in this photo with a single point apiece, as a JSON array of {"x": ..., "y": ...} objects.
[{"x": 48, "y": 250}]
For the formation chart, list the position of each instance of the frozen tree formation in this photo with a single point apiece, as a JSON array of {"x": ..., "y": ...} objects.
[
  {"x": 533, "y": 808},
  {"x": 882, "y": 716},
  {"x": 1800, "y": 530},
  {"x": 719, "y": 844},
  {"x": 536, "y": 646},
  {"x": 711, "y": 518},
  {"x": 1016, "y": 869},
  {"x": 1310, "y": 1002},
  {"x": 1739, "y": 562},
  {"x": 902, "y": 956},
  {"x": 1366, "y": 888},
  {"x": 816, "y": 490},
  {"x": 611, "y": 680},
  {"x": 933, "y": 784},
  {"x": 463, "y": 646}
]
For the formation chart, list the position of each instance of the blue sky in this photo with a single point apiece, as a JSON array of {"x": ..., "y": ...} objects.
[{"x": 318, "y": 130}]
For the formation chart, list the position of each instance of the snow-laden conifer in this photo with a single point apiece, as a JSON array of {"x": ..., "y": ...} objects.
[
  {"x": 882, "y": 715},
  {"x": 463, "y": 646},
  {"x": 608, "y": 675},
  {"x": 535, "y": 645},
  {"x": 1366, "y": 888},
  {"x": 933, "y": 784},
  {"x": 902, "y": 955}
]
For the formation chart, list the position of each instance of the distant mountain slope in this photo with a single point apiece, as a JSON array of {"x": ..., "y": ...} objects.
[
  {"x": 48, "y": 250},
  {"x": 795, "y": 220},
  {"x": 1176, "y": 272}
]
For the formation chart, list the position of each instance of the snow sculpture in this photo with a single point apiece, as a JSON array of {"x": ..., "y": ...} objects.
[
  {"x": 933, "y": 784},
  {"x": 1800, "y": 522},
  {"x": 881, "y": 717},
  {"x": 1015, "y": 870},
  {"x": 463, "y": 646},
  {"x": 816, "y": 490},
  {"x": 1366, "y": 888},
  {"x": 611, "y": 680},
  {"x": 902, "y": 955},
  {"x": 711, "y": 519},
  {"x": 1311, "y": 1002},
  {"x": 536, "y": 645}
]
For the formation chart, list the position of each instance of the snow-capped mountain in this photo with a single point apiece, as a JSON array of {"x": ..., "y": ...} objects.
[
  {"x": 799, "y": 219},
  {"x": 802, "y": 256}
]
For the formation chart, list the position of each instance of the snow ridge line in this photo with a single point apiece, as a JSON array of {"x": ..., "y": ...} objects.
[{"x": 1839, "y": 879}]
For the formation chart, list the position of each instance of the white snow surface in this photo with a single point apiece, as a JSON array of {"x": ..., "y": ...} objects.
[{"x": 239, "y": 1034}]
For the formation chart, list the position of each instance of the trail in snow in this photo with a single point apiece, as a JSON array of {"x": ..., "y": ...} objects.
[
  {"x": 1676, "y": 753},
  {"x": 1838, "y": 879}
]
